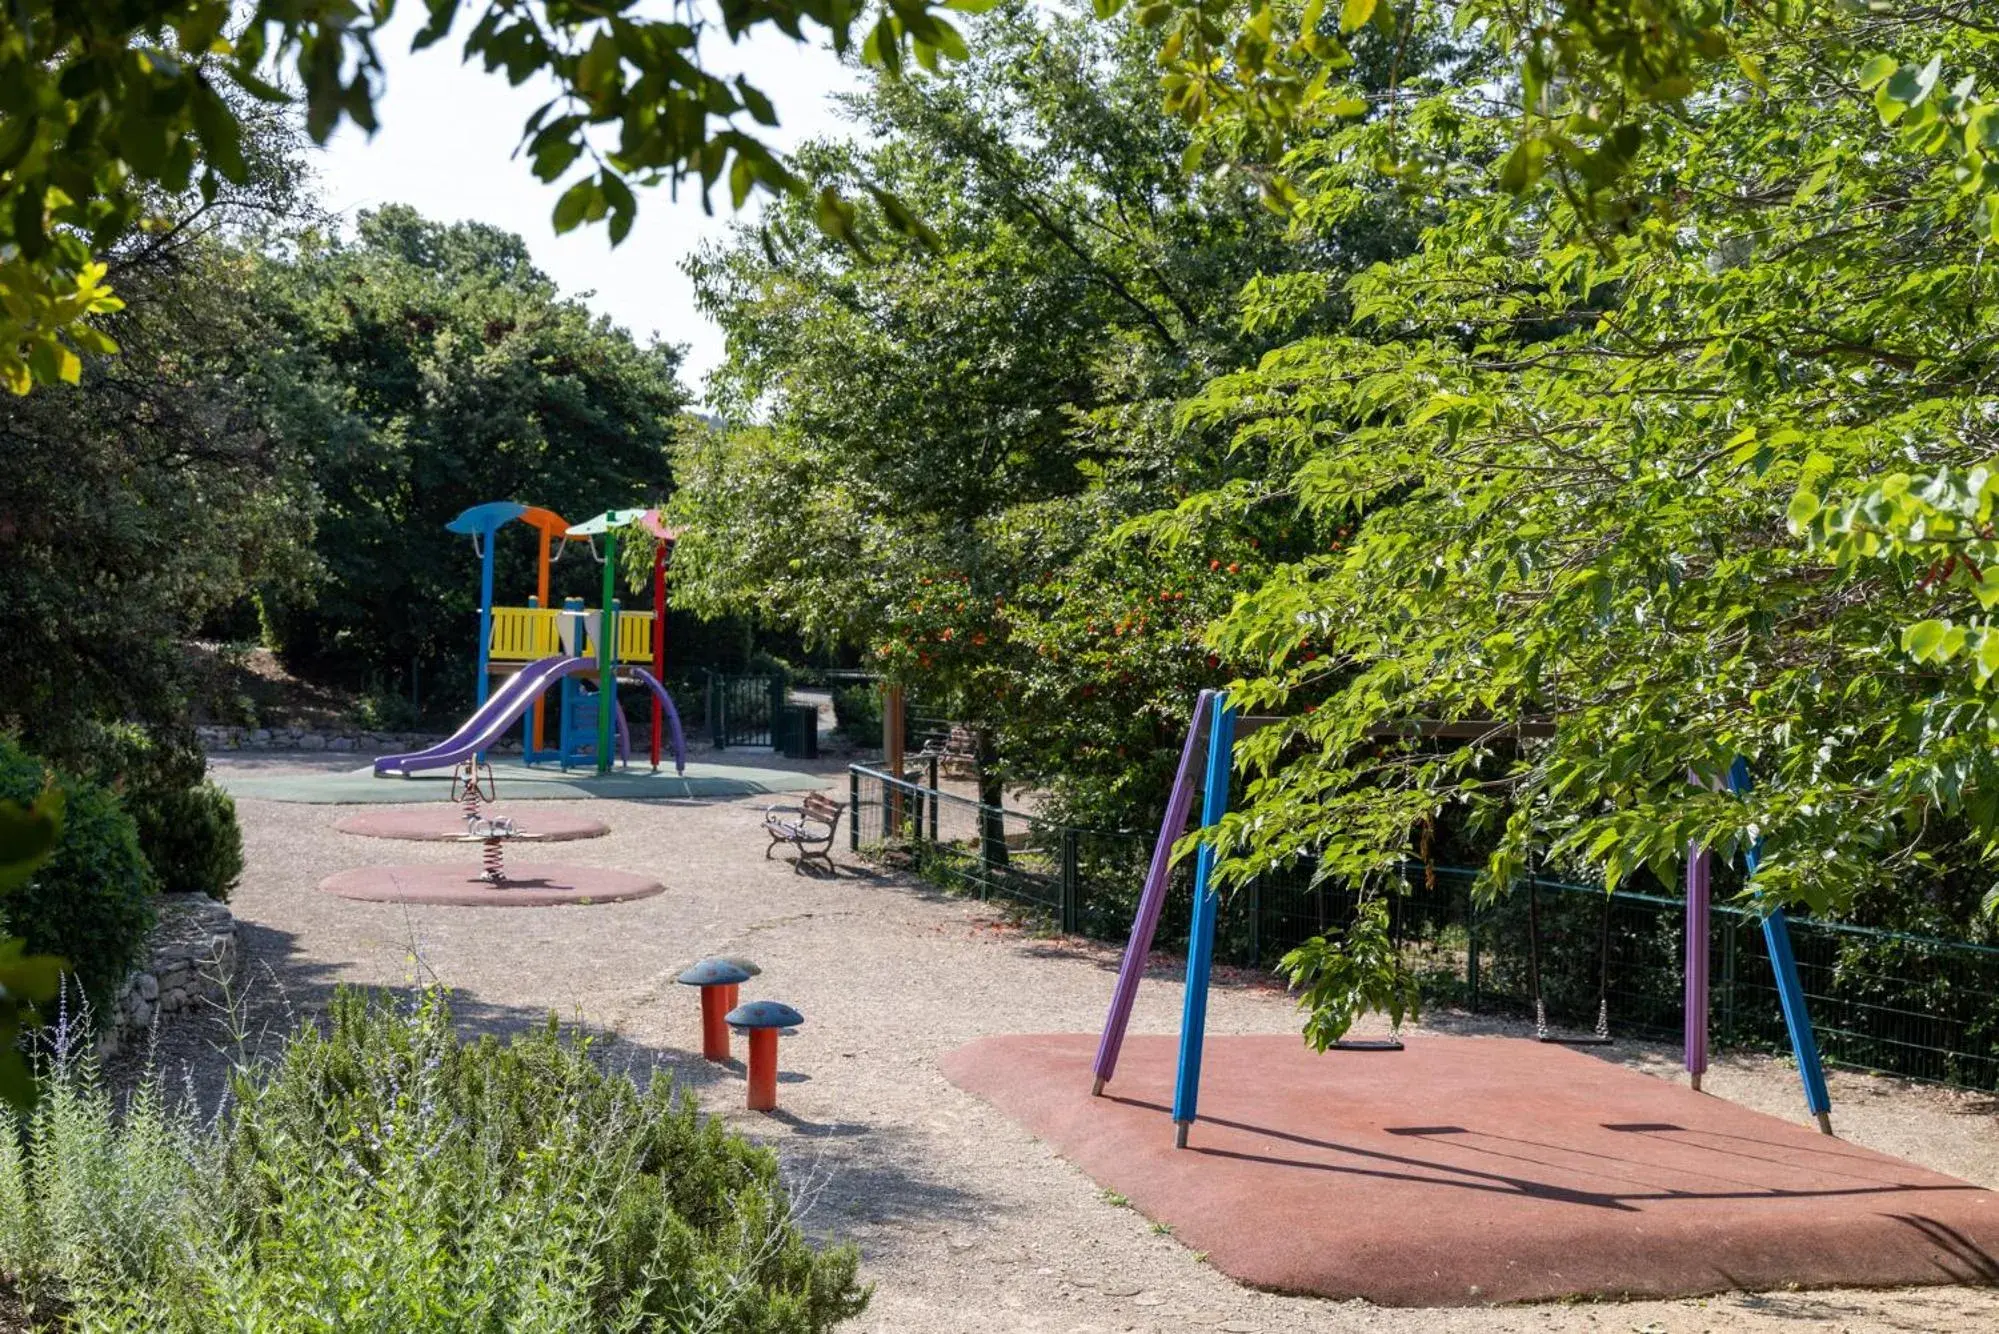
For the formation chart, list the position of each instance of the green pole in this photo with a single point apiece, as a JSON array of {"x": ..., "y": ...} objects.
[{"x": 607, "y": 654}]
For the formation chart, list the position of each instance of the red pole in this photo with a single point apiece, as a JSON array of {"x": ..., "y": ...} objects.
[
  {"x": 763, "y": 1069},
  {"x": 716, "y": 1001},
  {"x": 658, "y": 640},
  {"x": 541, "y": 590}
]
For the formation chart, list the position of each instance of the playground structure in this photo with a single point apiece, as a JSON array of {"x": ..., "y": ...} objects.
[
  {"x": 1217, "y": 721},
  {"x": 579, "y": 652}
]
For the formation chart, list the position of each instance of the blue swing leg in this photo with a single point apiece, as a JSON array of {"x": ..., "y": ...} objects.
[
  {"x": 1201, "y": 936},
  {"x": 1791, "y": 995},
  {"x": 1790, "y": 991}
]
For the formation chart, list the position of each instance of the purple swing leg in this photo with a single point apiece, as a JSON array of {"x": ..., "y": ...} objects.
[{"x": 1178, "y": 807}]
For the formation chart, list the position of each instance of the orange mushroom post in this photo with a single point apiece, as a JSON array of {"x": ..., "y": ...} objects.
[
  {"x": 718, "y": 980},
  {"x": 763, "y": 1020}
]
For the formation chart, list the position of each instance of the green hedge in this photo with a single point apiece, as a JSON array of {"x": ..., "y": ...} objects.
[{"x": 92, "y": 903}]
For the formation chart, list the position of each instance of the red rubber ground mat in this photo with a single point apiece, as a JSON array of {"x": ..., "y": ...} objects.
[{"x": 1471, "y": 1170}]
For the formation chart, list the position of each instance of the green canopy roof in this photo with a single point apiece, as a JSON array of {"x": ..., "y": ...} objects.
[{"x": 606, "y": 522}]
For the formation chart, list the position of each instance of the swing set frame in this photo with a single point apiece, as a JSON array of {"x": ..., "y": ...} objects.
[{"x": 1216, "y": 722}]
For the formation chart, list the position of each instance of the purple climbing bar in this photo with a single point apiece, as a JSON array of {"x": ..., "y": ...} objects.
[
  {"x": 1178, "y": 807},
  {"x": 1699, "y": 864}
]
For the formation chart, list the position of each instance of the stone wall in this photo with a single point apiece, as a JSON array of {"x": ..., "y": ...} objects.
[
  {"x": 192, "y": 956},
  {"x": 336, "y": 740}
]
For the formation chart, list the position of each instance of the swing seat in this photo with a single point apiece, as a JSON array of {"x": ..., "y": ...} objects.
[
  {"x": 1600, "y": 1038},
  {"x": 1368, "y": 1044}
]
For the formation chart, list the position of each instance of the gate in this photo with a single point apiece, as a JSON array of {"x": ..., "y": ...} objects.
[{"x": 742, "y": 710}]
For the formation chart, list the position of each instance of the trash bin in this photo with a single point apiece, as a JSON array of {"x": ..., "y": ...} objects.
[{"x": 798, "y": 731}]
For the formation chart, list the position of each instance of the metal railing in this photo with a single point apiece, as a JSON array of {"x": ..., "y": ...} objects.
[{"x": 1912, "y": 1006}]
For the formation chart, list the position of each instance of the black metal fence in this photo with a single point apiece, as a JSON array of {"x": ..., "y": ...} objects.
[
  {"x": 1905, "y": 1005},
  {"x": 743, "y": 710}
]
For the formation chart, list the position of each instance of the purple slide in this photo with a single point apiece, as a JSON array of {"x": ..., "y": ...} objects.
[{"x": 491, "y": 720}]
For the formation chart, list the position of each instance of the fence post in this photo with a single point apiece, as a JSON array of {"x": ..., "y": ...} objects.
[
  {"x": 1471, "y": 949},
  {"x": 718, "y": 689},
  {"x": 1072, "y": 917},
  {"x": 934, "y": 803},
  {"x": 779, "y": 694},
  {"x": 893, "y": 737},
  {"x": 1728, "y": 946},
  {"x": 1255, "y": 921},
  {"x": 853, "y": 809}
]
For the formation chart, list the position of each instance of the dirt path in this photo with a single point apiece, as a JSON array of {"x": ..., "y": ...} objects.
[{"x": 967, "y": 1223}]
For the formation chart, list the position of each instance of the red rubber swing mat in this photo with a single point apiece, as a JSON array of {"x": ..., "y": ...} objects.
[{"x": 1463, "y": 1171}]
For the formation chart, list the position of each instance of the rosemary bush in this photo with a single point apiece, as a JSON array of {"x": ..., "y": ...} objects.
[{"x": 384, "y": 1175}]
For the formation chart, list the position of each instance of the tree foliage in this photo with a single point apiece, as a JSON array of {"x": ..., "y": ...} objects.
[
  {"x": 1694, "y": 483},
  {"x": 945, "y": 434},
  {"x": 104, "y": 103},
  {"x": 1669, "y": 436},
  {"x": 156, "y": 490}
]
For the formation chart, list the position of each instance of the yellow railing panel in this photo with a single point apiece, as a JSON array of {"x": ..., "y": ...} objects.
[
  {"x": 634, "y": 636},
  {"x": 521, "y": 634}
]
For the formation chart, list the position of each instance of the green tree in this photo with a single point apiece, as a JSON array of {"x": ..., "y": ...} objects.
[
  {"x": 944, "y": 432},
  {"x": 158, "y": 489},
  {"x": 1700, "y": 480},
  {"x": 104, "y": 103}
]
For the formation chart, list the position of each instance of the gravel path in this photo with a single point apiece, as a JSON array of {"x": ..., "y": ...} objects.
[{"x": 966, "y": 1222}]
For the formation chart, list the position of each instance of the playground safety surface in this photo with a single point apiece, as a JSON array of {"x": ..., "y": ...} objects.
[
  {"x": 446, "y": 824},
  {"x": 526, "y": 886},
  {"x": 516, "y": 781},
  {"x": 1468, "y": 1170}
]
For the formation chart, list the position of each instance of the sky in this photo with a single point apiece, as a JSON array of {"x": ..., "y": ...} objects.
[{"x": 445, "y": 146}]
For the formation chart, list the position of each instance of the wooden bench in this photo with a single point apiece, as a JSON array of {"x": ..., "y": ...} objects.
[{"x": 808, "y": 827}]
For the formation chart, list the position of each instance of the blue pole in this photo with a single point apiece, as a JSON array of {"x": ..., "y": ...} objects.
[
  {"x": 485, "y": 614},
  {"x": 1790, "y": 991},
  {"x": 1201, "y": 936},
  {"x": 567, "y": 738}
]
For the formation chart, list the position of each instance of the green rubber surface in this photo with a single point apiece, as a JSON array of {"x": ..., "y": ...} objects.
[{"x": 515, "y": 780}]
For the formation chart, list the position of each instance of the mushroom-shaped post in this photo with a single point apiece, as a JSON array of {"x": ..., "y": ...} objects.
[
  {"x": 762, "y": 1020},
  {"x": 718, "y": 980}
]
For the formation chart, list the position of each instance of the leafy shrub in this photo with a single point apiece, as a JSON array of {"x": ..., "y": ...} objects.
[
  {"x": 191, "y": 839},
  {"x": 1340, "y": 981},
  {"x": 187, "y": 825},
  {"x": 384, "y": 1175},
  {"x": 765, "y": 663},
  {"x": 857, "y": 712},
  {"x": 92, "y": 903}
]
